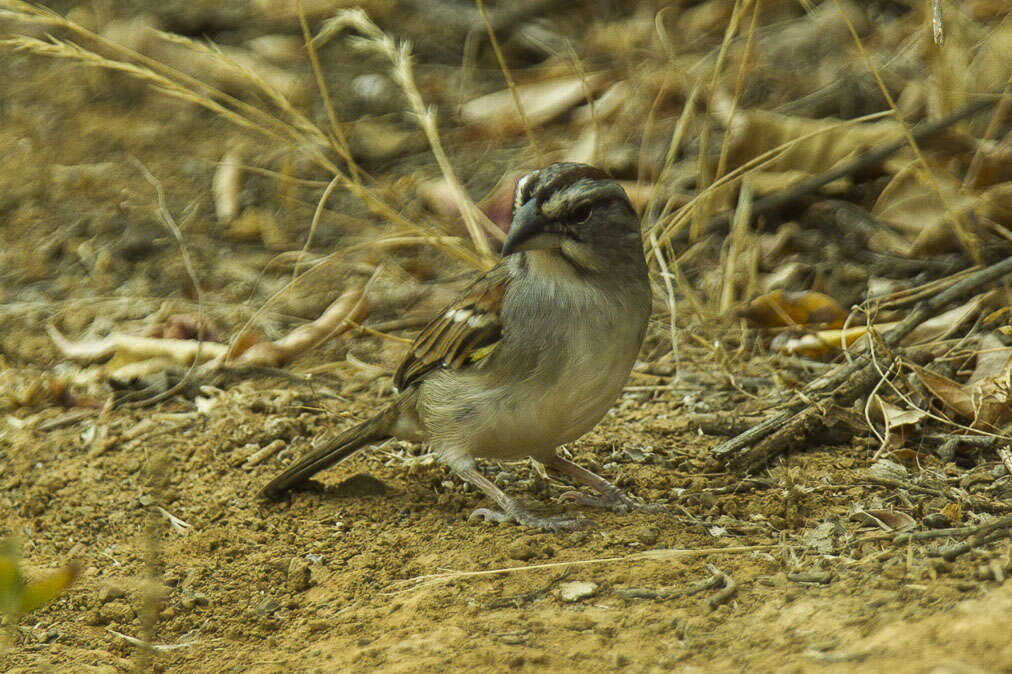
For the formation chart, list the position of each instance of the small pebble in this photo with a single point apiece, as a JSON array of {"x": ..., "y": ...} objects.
[
  {"x": 298, "y": 575},
  {"x": 522, "y": 549},
  {"x": 647, "y": 536},
  {"x": 267, "y": 606},
  {"x": 577, "y": 590},
  {"x": 109, "y": 592},
  {"x": 192, "y": 599},
  {"x": 116, "y": 611}
]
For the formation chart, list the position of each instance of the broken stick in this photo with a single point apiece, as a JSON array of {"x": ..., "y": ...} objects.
[
  {"x": 796, "y": 425},
  {"x": 775, "y": 202}
]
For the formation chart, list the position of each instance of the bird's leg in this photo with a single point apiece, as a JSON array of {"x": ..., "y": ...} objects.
[
  {"x": 513, "y": 511},
  {"x": 611, "y": 497}
]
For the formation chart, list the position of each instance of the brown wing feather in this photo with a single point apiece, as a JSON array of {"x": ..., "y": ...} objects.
[{"x": 451, "y": 339}]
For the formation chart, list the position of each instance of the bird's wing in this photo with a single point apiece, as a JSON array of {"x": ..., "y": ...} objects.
[{"x": 462, "y": 334}]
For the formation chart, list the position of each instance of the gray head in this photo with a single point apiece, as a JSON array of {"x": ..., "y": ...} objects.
[{"x": 576, "y": 211}]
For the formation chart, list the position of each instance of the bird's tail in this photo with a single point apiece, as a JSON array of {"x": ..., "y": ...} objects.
[{"x": 334, "y": 451}]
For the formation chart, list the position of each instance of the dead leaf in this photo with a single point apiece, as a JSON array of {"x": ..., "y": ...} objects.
[
  {"x": 226, "y": 186},
  {"x": 754, "y": 132},
  {"x": 824, "y": 342},
  {"x": 948, "y": 392},
  {"x": 233, "y": 69},
  {"x": 990, "y": 385},
  {"x": 336, "y": 319},
  {"x": 784, "y": 308},
  {"x": 986, "y": 398},
  {"x": 898, "y": 423},
  {"x": 888, "y": 520},
  {"x": 258, "y": 223},
  {"x": 953, "y": 512},
  {"x": 497, "y": 205},
  {"x": 945, "y": 324},
  {"x": 183, "y": 326},
  {"x": 896, "y": 417},
  {"x": 911, "y": 203},
  {"x": 992, "y": 359},
  {"x": 542, "y": 102},
  {"x": 606, "y": 105}
]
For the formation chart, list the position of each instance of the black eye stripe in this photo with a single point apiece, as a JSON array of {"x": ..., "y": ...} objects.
[{"x": 581, "y": 212}]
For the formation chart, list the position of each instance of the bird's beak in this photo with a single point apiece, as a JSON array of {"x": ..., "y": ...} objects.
[{"x": 530, "y": 231}]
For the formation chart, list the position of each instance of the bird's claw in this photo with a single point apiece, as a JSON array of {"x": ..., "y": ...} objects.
[
  {"x": 617, "y": 503},
  {"x": 554, "y": 524}
]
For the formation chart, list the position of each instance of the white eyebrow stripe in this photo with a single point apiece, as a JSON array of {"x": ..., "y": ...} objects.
[{"x": 519, "y": 193}]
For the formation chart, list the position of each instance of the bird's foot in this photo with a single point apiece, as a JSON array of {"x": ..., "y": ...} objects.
[
  {"x": 615, "y": 501},
  {"x": 526, "y": 519}
]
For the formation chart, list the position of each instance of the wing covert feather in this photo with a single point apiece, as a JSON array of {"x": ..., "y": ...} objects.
[{"x": 462, "y": 334}]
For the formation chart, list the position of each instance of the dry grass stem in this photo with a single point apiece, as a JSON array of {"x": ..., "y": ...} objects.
[
  {"x": 969, "y": 242},
  {"x": 672, "y": 225},
  {"x": 477, "y": 224},
  {"x": 297, "y": 132},
  {"x": 339, "y": 141},
  {"x": 531, "y": 138},
  {"x": 703, "y": 173},
  {"x": 419, "y": 582}
]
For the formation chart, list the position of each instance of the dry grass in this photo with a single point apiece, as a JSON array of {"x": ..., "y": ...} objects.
[{"x": 286, "y": 124}]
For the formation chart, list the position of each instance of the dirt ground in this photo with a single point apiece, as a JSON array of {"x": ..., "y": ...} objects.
[{"x": 772, "y": 572}]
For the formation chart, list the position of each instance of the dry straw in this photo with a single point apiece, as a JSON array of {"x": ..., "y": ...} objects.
[
  {"x": 664, "y": 554},
  {"x": 284, "y": 124}
]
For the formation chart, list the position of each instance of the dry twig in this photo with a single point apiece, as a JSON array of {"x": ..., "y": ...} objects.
[
  {"x": 789, "y": 197},
  {"x": 795, "y": 425}
]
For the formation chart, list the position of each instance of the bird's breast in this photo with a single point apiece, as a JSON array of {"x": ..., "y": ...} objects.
[{"x": 563, "y": 361}]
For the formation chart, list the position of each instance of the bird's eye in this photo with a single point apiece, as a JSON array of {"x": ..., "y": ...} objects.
[{"x": 581, "y": 213}]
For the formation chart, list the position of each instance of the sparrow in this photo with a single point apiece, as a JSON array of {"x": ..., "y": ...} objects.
[{"x": 531, "y": 355}]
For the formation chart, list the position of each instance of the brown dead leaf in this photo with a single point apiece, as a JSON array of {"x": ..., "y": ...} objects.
[
  {"x": 233, "y": 69},
  {"x": 226, "y": 186},
  {"x": 945, "y": 324},
  {"x": 183, "y": 326},
  {"x": 606, "y": 105},
  {"x": 910, "y": 203},
  {"x": 986, "y": 398},
  {"x": 888, "y": 520},
  {"x": 824, "y": 342},
  {"x": 257, "y": 223},
  {"x": 990, "y": 385},
  {"x": 338, "y": 318},
  {"x": 784, "y": 308},
  {"x": 753, "y": 132},
  {"x": 992, "y": 359},
  {"x": 895, "y": 417},
  {"x": 994, "y": 164},
  {"x": 899, "y": 423},
  {"x": 948, "y": 392},
  {"x": 953, "y": 512},
  {"x": 542, "y": 102},
  {"x": 497, "y": 204}
]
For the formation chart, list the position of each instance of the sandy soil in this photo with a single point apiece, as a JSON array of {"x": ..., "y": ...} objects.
[{"x": 345, "y": 576}]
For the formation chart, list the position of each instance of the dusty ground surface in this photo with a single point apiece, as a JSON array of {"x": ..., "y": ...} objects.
[{"x": 337, "y": 577}]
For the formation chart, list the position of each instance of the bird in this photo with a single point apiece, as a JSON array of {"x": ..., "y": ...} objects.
[{"x": 531, "y": 355}]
